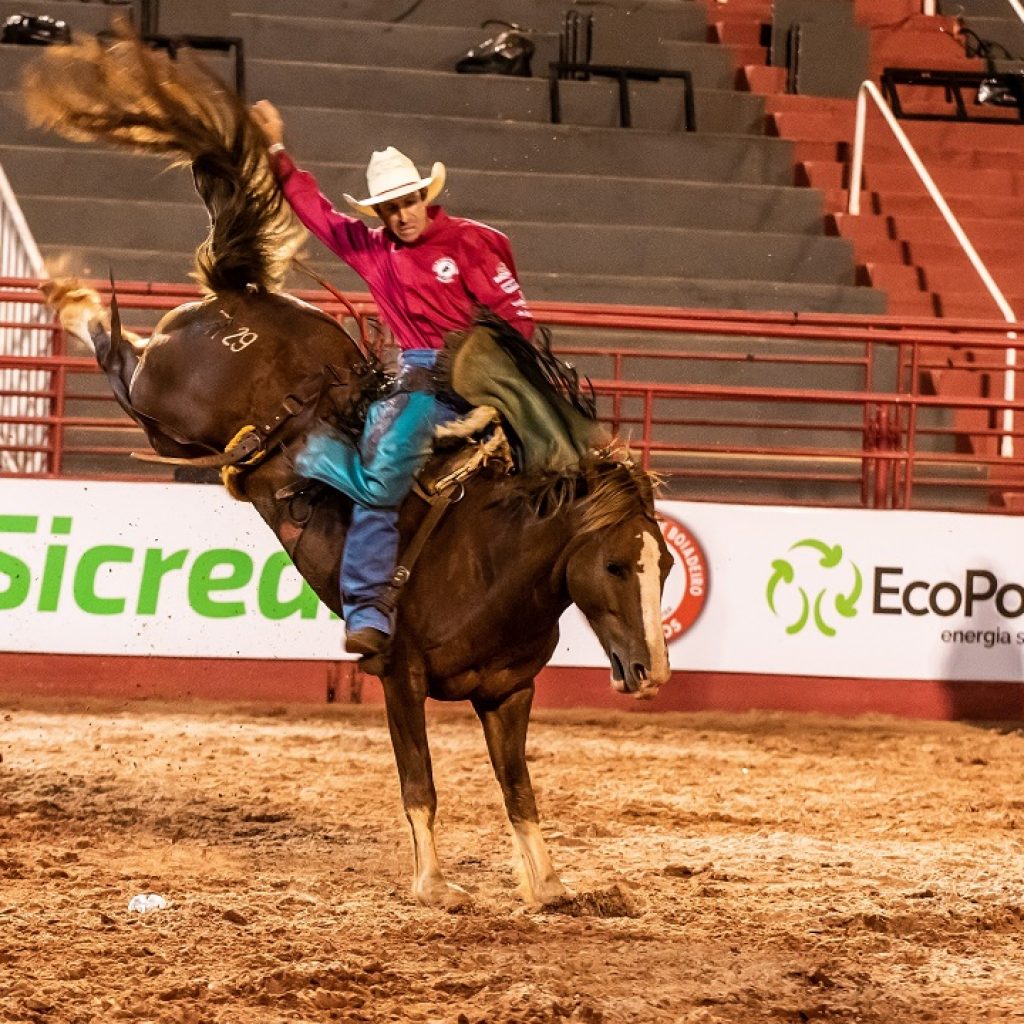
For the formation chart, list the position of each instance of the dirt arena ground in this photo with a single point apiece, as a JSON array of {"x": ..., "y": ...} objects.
[{"x": 760, "y": 867}]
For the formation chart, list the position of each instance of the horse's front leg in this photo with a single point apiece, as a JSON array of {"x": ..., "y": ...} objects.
[
  {"x": 505, "y": 723},
  {"x": 408, "y": 727}
]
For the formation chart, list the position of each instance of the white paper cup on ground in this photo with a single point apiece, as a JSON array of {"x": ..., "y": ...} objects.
[{"x": 146, "y": 902}]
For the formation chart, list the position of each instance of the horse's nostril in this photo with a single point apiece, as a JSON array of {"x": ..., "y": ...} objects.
[
  {"x": 618, "y": 672},
  {"x": 640, "y": 672}
]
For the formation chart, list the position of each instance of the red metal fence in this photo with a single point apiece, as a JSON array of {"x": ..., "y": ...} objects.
[{"x": 755, "y": 407}]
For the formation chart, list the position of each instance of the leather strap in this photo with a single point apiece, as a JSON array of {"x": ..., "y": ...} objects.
[{"x": 403, "y": 571}]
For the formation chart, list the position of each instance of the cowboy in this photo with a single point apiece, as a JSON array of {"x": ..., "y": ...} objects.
[{"x": 428, "y": 273}]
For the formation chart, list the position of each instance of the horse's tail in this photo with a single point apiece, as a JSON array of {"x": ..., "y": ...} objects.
[{"x": 137, "y": 98}]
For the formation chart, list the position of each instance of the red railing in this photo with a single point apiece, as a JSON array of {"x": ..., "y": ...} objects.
[{"x": 841, "y": 411}]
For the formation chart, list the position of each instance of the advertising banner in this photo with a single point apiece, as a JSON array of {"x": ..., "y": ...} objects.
[{"x": 181, "y": 570}]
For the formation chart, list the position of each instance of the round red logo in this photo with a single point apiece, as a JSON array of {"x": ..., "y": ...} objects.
[{"x": 686, "y": 588}]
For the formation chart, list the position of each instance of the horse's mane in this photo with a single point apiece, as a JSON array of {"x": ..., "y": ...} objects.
[
  {"x": 616, "y": 491},
  {"x": 606, "y": 489},
  {"x": 124, "y": 93}
]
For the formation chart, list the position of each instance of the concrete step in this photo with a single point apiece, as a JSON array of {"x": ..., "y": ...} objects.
[
  {"x": 828, "y": 125},
  {"x": 778, "y": 103},
  {"x": 831, "y": 151},
  {"x": 746, "y": 56},
  {"x": 546, "y": 148},
  {"x": 686, "y": 20},
  {"x": 975, "y": 305},
  {"x": 885, "y": 177},
  {"x": 72, "y": 170},
  {"x": 960, "y": 275},
  {"x": 128, "y": 224},
  {"x": 938, "y": 110},
  {"x": 485, "y": 195},
  {"x": 919, "y": 46},
  {"x": 1004, "y": 28},
  {"x": 944, "y": 250},
  {"x": 745, "y": 33},
  {"x": 658, "y": 106},
  {"x": 973, "y": 8},
  {"x": 1001, "y": 233},
  {"x": 757, "y": 373},
  {"x": 761, "y": 79},
  {"x": 690, "y": 253},
  {"x": 963, "y": 206},
  {"x": 732, "y": 293},
  {"x": 98, "y": 261},
  {"x": 921, "y": 204},
  {"x": 126, "y": 438},
  {"x": 39, "y": 172},
  {"x": 748, "y": 10},
  {"x": 438, "y": 48},
  {"x": 897, "y": 20},
  {"x": 745, "y": 348},
  {"x": 933, "y": 140},
  {"x": 891, "y": 277},
  {"x": 941, "y": 137},
  {"x": 100, "y": 466},
  {"x": 912, "y": 304},
  {"x": 514, "y": 147},
  {"x": 539, "y": 245},
  {"x": 872, "y": 12}
]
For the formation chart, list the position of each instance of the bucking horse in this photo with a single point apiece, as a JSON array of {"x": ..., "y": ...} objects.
[{"x": 241, "y": 377}]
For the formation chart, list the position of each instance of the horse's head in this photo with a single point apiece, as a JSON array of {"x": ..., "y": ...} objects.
[{"x": 616, "y": 566}]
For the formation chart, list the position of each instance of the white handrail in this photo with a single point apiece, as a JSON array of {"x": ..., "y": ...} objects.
[
  {"x": 868, "y": 88},
  {"x": 20, "y": 254},
  {"x": 25, "y": 335},
  {"x": 1017, "y": 8}
]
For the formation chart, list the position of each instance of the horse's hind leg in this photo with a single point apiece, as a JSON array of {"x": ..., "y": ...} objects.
[
  {"x": 505, "y": 723},
  {"x": 408, "y": 727}
]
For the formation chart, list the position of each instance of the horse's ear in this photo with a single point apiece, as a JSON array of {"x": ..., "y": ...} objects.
[{"x": 116, "y": 336}]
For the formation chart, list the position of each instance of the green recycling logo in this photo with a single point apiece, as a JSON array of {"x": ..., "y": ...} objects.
[{"x": 824, "y": 586}]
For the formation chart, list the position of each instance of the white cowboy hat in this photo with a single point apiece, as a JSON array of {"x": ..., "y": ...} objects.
[{"x": 391, "y": 174}]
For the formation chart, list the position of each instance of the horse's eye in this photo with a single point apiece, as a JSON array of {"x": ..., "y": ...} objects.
[{"x": 616, "y": 569}]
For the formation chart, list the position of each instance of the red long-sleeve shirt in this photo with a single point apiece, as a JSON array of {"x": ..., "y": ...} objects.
[{"x": 424, "y": 289}]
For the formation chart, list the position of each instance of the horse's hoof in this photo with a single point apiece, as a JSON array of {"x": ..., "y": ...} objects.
[
  {"x": 444, "y": 896},
  {"x": 616, "y": 901},
  {"x": 549, "y": 891}
]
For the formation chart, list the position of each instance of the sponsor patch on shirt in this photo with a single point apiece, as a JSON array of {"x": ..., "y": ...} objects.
[
  {"x": 505, "y": 281},
  {"x": 445, "y": 269}
]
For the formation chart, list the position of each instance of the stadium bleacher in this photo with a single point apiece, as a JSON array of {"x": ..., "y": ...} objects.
[
  {"x": 595, "y": 212},
  {"x": 746, "y": 212}
]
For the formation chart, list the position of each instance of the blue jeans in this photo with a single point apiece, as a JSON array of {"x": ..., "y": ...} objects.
[{"x": 395, "y": 444}]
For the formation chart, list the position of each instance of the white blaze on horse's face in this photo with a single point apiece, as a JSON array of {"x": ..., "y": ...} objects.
[
  {"x": 615, "y": 578},
  {"x": 649, "y": 574}
]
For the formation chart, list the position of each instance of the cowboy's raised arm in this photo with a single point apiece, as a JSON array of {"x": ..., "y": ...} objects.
[{"x": 347, "y": 237}]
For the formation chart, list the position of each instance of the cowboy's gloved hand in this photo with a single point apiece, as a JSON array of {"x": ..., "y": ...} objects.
[{"x": 269, "y": 121}]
